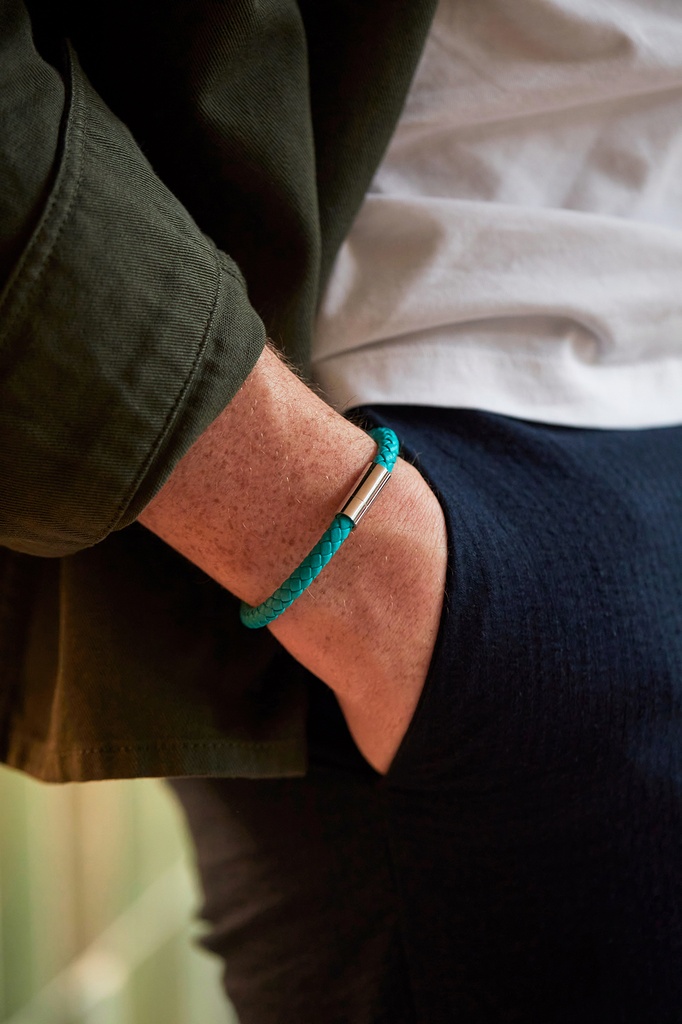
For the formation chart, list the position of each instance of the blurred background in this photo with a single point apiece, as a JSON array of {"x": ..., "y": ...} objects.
[{"x": 97, "y": 908}]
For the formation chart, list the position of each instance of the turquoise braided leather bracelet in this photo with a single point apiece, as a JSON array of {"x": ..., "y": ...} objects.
[{"x": 342, "y": 525}]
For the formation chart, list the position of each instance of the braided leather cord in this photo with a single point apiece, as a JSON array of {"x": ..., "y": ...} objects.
[
  {"x": 301, "y": 578},
  {"x": 329, "y": 543},
  {"x": 389, "y": 447}
]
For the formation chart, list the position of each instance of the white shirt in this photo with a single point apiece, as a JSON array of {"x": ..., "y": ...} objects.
[{"x": 520, "y": 248}]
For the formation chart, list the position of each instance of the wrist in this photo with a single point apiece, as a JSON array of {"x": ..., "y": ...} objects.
[{"x": 355, "y": 507}]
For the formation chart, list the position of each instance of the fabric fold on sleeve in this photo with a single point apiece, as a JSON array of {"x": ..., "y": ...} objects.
[{"x": 123, "y": 333}]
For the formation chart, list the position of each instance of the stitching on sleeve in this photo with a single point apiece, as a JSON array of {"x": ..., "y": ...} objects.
[{"x": 27, "y": 274}]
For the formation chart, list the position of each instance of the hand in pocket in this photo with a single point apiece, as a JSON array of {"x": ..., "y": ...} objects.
[{"x": 368, "y": 626}]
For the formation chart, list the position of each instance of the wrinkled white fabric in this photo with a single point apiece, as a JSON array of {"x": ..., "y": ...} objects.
[{"x": 520, "y": 249}]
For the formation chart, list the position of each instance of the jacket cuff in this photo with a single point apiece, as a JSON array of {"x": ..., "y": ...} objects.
[{"x": 123, "y": 334}]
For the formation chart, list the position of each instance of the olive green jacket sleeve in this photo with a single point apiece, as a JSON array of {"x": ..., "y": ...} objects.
[
  {"x": 123, "y": 330},
  {"x": 174, "y": 183}
]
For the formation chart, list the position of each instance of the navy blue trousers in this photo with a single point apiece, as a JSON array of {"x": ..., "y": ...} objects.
[{"x": 522, "y": 860}]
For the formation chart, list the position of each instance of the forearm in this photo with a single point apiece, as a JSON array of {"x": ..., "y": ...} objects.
[{"x": 261, "y": 484}]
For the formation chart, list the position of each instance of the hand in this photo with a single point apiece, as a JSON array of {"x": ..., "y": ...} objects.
[
  {"x": 368, "y": 625},
  {"x": 255, "y": 493}
]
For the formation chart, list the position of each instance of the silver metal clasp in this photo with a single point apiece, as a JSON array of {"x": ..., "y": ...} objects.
[{"x": 366, "y": 492}]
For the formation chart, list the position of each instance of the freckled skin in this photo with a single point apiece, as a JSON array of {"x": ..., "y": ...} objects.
[{"x": 252, "y": 497}]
